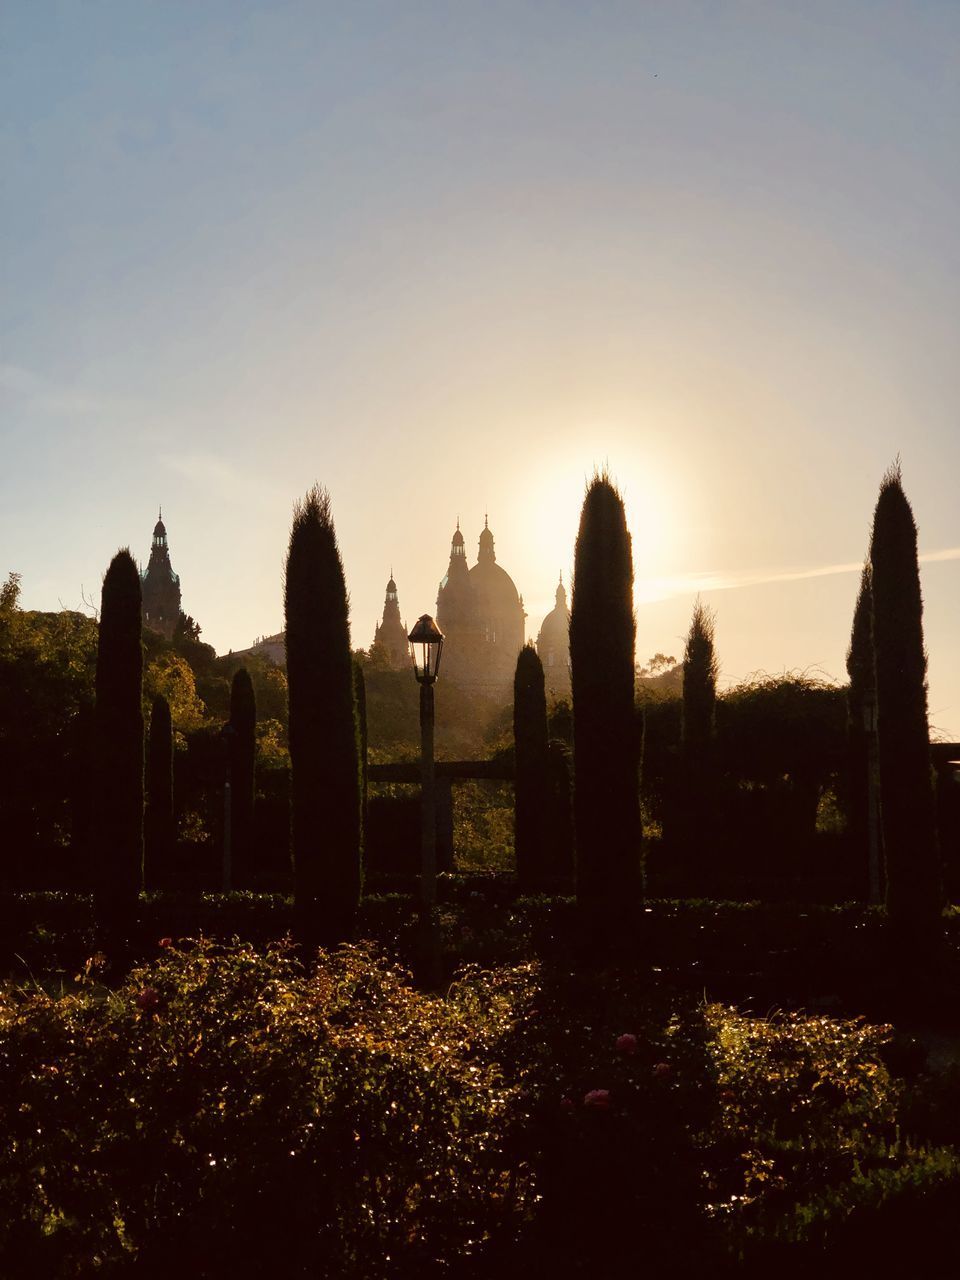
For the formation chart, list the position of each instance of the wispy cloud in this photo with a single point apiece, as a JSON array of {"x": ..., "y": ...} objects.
[
  {"x": 651, "y": 590},
  {"x": 214, "y": 475},
  {"x": 32, "y": 391}
]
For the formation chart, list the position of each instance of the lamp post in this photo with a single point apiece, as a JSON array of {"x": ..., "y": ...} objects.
[
  {"x": 228, "y": 736},
  {"x": 426, "y": 640}
]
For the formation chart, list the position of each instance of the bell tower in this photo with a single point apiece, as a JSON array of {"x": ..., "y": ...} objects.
[{"x": 160, "y": 586}]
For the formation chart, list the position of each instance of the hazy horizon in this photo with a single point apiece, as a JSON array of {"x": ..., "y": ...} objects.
[{"x": 446, "y": 261}]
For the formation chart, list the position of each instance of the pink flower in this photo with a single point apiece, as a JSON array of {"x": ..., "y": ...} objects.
[
  {"x": 148, "y": 999},
  {"x": 627, "y": 1043},
  {"x": 566, "y": 1104},
  {"x": 663, "y": 1071},
  {"x": 165, "y": 942},
  {"x": 599, "y": 1099}
]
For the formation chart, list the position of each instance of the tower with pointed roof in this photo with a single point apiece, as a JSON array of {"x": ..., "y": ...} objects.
[
  {"x": 390, "y": 636},
  {"x": 553, "y": 645},
  {"x": 457, "y": 614},
  {"x": 500, "y": 614},
  {"x": 160, "y": 586}
]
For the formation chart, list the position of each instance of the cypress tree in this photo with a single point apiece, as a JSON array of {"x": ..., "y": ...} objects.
[
  {"x": 243, "y": 719},
  {"x": 861, "y": 704},
  {"x": 118, "y": 791},
  {"x": 324, "y": 754},
  {"x": 602, "y": 642},
  {"x": 360, "y": 695},
  {"x": 698, "y": 723},
  {"x": 696, "y": 814},
  {"x": 158, "y": 820},
  {"x": 914, "y": 892},
  {"x": 532, "y": 774}
]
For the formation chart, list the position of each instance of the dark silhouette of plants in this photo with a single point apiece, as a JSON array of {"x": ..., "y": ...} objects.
[
  {"x": 324, "y": 752},
  {"x": 360, "y": 694},
  {"x": 533, "y": 808},
  {"x": 159, "y": 830},
  {"x": 118, "y": 810},
  {"x": 696, "y": 816},
  {"x": 606, "y": 793},
  {"x": 861, "y": 703},
  {"x": 243, "y": 748},
  {"x": 914, "y": 893}
]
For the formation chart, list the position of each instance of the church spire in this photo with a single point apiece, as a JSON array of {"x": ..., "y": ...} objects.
[{"x": 486, "y": 552}]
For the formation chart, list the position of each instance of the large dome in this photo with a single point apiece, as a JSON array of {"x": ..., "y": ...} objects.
[
  {"x": 553, "y": 644},
  {"x": 494, "y": 586}
]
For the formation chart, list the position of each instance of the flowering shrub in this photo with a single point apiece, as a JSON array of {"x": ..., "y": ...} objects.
[
  {"x": 809, "y": 1151},
  {"x": 222, "y": 1109},
  {"x": 224, "y": 1106}
]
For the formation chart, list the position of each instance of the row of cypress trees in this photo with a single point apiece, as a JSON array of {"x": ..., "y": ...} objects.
[
  {"x": 886, "y": 661},
  {"x": 134, "y": 825},
  {"x": 887, "y": 668},
  {"x": 327, "y": 755}
]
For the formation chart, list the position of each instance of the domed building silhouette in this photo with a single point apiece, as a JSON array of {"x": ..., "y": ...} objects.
[
  {"x": 160, "y": 586},
  {"x": 481, "y": 615},
  {"x": 553, "y": 646}
]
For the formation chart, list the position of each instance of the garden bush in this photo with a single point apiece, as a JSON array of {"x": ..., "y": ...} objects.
[{"x": 226, "y": 1107}]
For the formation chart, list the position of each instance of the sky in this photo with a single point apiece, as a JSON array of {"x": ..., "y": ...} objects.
[{"x": 447, "y": 259}]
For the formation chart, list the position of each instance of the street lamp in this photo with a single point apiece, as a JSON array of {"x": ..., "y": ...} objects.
[{"x": 426, "y": 640}]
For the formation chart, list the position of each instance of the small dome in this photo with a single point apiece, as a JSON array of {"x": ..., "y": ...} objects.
[
  {"x": 458, "y": 538},
  {"x": 391, "y": 585},
  {"x": 159, "y": 529}
]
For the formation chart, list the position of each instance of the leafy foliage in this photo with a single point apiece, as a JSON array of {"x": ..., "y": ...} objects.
[
  {"x": 47, "y": 663},
  {"x": 243, "y": 749},
  {"x": 222, "y": 1101},
  {"x": 159, "y": 826}
]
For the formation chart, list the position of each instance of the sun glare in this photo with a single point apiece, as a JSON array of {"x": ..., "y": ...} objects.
[{"x": 655, "y": 516}]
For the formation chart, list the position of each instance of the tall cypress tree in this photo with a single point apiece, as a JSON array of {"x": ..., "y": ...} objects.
[
  {"x": 118, "y": 799},
  {"x": 360, "y": 700},
  {"x": 696, "y": 817},
  {"x": 698, "y": 724},
  {"x": 324, "y": 754},
  {"x": 914, "y": 890},
  {"x": 158, "y": 820},
  {"x": 243, "y": 719},
  {"x": 861, "y": 706},
  {"x": 602, "y": 642},
  {"x": 532, "y": 774},
  {"x": 360, "y": 695}
]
